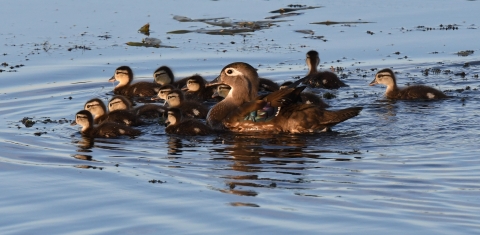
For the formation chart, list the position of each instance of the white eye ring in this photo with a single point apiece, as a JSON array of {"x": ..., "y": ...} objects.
[{"x": 232, "y": 72}]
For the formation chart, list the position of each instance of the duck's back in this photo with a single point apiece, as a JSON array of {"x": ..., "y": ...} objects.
[
  {"x": 193, "y": 109},
  {"x": 111, "y": 130},
  {"x": 189, "y": 127},
  {"x": 144, "y": 89},
  {"x": 416, "y": 92},
  {"x": 324, "y": 79}
]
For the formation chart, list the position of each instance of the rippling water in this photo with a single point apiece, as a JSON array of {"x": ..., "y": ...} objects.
[{"x": 398, "y": 168}]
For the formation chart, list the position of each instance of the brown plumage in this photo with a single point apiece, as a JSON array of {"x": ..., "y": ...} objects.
[
  {"x": 387, "y": 77},
  {"x": 291, "y": 116},
  {"x": 124, "y": 75},
  {"x": 178, "y": 125},
  {"x": 189, "y": 108},
  {"x": 120, "y": 102},
  {"x": 320, "y": 79},
  {"x": 195, "y": 89},
  {"x": 163, "y": 75},
  {"x": 98, "y": 109},
  {"x": 104, "y": 130},
  {"x": 308, "y": 97}
]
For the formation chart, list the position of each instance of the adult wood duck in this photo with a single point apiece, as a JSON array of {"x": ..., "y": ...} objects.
[
  {"x": 189, "y": 108},
  {"x": 104, "y": 130},
  {"x": 308, "y": 97},
  {"x": 177, "y": 124},
  {"x": 387, "y": 77},
  {"x": 124, "y": 75},
  {"x": 120, "y": 102},
  {"x": 98, "y": 109},
  {"x": 290, "y": 116},
  {"x": 320, "y": 79}
]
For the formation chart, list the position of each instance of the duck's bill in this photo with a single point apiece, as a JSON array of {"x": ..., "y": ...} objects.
[
  {"x": 73, "y": 123},
  {"x": 374, "y": 82},
  {"x": 112, "y": 79},
  {"x": 214, "y": 82}
]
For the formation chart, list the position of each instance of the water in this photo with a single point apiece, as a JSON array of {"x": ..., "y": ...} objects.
[{"x": 400, "y": 167}]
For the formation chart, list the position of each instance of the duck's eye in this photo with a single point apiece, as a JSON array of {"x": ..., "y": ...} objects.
[{"x": 229, "y": 71}]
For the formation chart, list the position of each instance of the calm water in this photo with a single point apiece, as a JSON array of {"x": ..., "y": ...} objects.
[{"x": 398, "y": 168}]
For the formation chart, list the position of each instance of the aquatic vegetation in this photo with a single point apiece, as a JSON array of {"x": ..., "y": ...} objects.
[{"x": 145, "y": 29}]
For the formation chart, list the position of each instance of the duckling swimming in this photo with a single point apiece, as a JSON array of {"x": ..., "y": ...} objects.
[
  {"x": 291, "y": 117},
  {"x": 164, "y": 75},
  {"x": 104, "y": 130},
  {"x": 189, "y": 108},
  {"x": 176, "y": 124},
  {"x": 196, "y": 89},
  {"x": 120, "y": 102},
  {"x": 320, "y": 79},
  {"x": 124, "y": 75},
  {"x": 387, "y": 77},
  {"x": 221, "y": 92},
  {"x": 98, "y": 109},
  {"x": 163, "y": 91}
]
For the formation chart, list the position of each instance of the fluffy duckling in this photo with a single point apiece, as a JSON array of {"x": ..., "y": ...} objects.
[
  {"x": 320, "y": 79},
  {"x": 189, "y": 108},
  {"x": 163, "y": 91},
  {"x": 164, "y": 75},
  {"x": 104, "y": 130},
  {"x": 291, "y": 117},
  {"x": 176, "y": 124},
  {"x": 124, "y": 75},
  {"x": 221, "y": 92},
  {"x": 119, "y": 102},
  {"x": 387, "y": 78},
  {"x": 308, "y": 97},
  {"x": 98, "y": 109},
  {"x": 196, "y": 89}
]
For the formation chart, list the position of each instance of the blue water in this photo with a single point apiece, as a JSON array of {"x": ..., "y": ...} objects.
[{"x": 398, "y": 168}]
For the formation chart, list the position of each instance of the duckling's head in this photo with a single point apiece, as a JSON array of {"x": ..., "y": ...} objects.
[
  {"x": 195, "y": 83},
  {"x": 221, "y": 91},
  {"x": 96, "y": 107},
  {"x": 385, "y": 77},
  {"x": 119, "y": 102},
  {"x": 83, "y": 118},
  {"x": 163, "y": 75},
  {"x": 123, "y": 74},
  {"x": 312, "y": 60},
  {"x": 242, "y": 78},
  {"x": 174, "y": 116},
  {"x": 163, "y": 91},
  {"x": 175, "y": 98}
]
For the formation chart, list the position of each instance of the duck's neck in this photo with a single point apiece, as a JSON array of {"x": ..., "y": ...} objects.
[
  {"x": 312, "y": 66},
  {"x": 391, "y": 91},
  {"x": 221, "y": 110}
]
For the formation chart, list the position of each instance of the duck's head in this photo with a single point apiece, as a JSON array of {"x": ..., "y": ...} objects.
[
  {"x": 163, "y": 75},
  {"x": 242, "y": 78},
  {"x": 119, "y": 102},
  {"x": 163, "y": 91},
  {"x": 123, "y": 74},
  {"x": 174, "y": 116},
  {"x": 221, "y": 91},
  {"x": 175, "y": 98},
  {"x": 385, "y": 77},
  {"x": 312, "y": 60},
  {"x": 83, "y": 118},
  {"x": 195, "y": 83},
  {"x": 96, "y": 107}
]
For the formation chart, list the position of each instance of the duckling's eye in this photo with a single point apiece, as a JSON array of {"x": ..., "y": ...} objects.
[{"x": 229, "y": 71}]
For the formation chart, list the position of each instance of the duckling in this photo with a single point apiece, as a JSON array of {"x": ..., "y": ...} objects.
[
  {"x": 176, "y": 124},
  {"x": 189, "y": 108},
  {"x": 124, "y": 75},
  {"x": 164, "y": 75},
  {"x": 119, "y": 102},
  {"x": 291, "y": 117},
  {"x": 104, "y": 130},
  {"x": 221, "y": 92},
  {"x": 97, "y": 108},
  {"x": 320, "y": 79},
  {"x": 163, "y": 91},
  {"x": 196, "y": 89},
  {"x": 308, "y": 97},
  {"x": 387, "y": 77}
]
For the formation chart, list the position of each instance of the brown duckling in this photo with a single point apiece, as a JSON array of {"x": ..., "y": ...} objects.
[
  {"x": 164, "y": 75},
  {"x": 176, "y": 124},
  {"x": 221, "y": 92},
  {"x": 104, "y": 130},
  {"x": 387, "y": 78},
  {"x": 290, "y": 117},
  {"x": 124, "y": 75},
  {"x": 308, "y": 97},
  {"x": 189, "y": 108},
  {"x": 98, "y": 109},
  {"x": 320, "y": 79},
  {"x": 120, "y": 102},
  {"x": 196, "y": 89},
  {"x": 163, "y": 91}
]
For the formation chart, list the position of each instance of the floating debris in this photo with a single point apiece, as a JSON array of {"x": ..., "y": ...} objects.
[
  {"x": 293, "y": 8},
  {"x": 187, "y": 19},
  {"x": 28, "y": 122},
  {"x": 305, "y": 31},
  {"x": 465, "y": 53},
  {"x": 85, "y": 48},
  {"x": 145, "y": 29},
  {"x": 284, "y": 15},
  {"x": 149, "y": 42},
  {"x": 214, "y": 31},
  {"x": 341, "y": 22}
]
